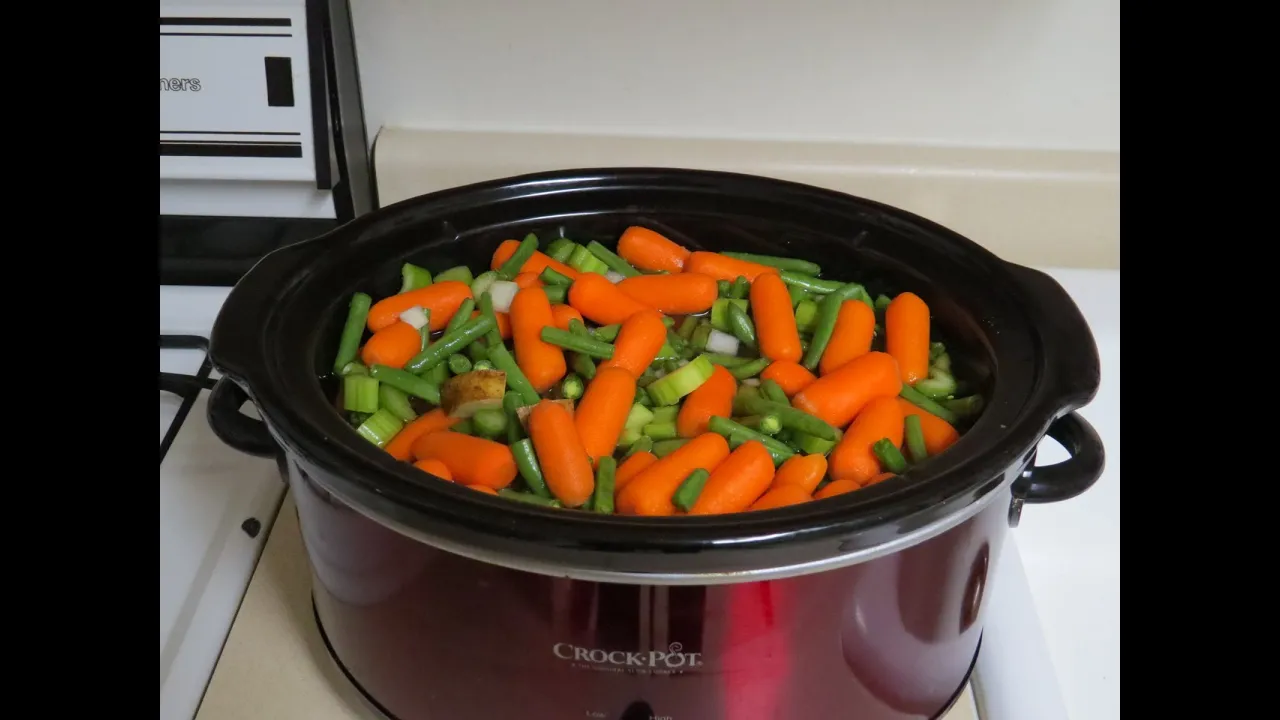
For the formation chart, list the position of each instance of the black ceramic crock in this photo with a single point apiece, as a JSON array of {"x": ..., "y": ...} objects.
[{"x": 441, "y": 602}]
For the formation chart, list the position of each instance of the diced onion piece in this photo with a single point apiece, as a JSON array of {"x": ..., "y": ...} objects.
[
  {"x": 415, "y": 316},
  {"x": 669, "y": 389},
  {"x": 723, "y": 343},
  {"x": 502, "y": 293},
  {"x": 614, "y": 277}
]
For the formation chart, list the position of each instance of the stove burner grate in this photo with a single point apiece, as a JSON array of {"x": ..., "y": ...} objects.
[{"x": 187, "y": 387}]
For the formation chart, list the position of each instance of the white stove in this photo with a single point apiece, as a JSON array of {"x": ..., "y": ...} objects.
[{"x": 238, "y": 640}]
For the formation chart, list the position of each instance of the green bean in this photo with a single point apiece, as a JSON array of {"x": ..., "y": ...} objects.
[
  {"x": 811, "y": 284},
  {"x": 751, "y": 369},
  {"x": 798, "y": 294},
  {"x": 882, "y": 303},
  {"x": 741, "y": 286},
  {"x": 687, "y": 326},
  {"x": 560, "y": 249},
  {"x": 569, "y": 341},
  {"x": 556, "y": 294},
  {"x": 550, "y": 276},
  {"x": 602, "y": 500},
  {"x": 669, "y": 321},
  {"x": 723, "y": 288},
  {"x": 583, "y": 365},
  {"x": 478, "y": 351},
  {"x": 482, "y": 365},
  {"x": 782, "y": 263},
  {"x": 615, "y": 263},
  {"x": 528, "y": 498},
  {"x": 571, "y": 387},
  {"x": 648, "y": 377},
  {"x": 922, "y": 401},
  {"x": 792, "y": 418},
  {"x": 459, "y": 364},
  {"x": 509, "y": 269},
  {"x": 530, "y": 470},
  {"x": 738, "y": 434},
  {"x": 490, "y": 422},
  {"x": 890, "y": 457},
  {"x": 511, "y": 406},
  {"x": 352, "y": 330},
  {"x": 767, "y": 424},
  {"x": 964, "y": 407},
  {"x": 914, "y": 435},
  {"x": 406, "y": 382},
  {"x": 396, "y": 402},
  {"x": 642, "y": 397},
  {"x": 806, "y": 316},
  {"x": 741, "y": 326},
  {"x": 607, "y": 333},
  {"x": 353, "y": 368},
  {"x": 516, "y": 379},
  {"x": 773, "y": 391},
  {"x": 740, "y": 399},
  {"x": 663, "y": 448},
  {"x": 465, "y": 427},
  {"x": 437, "y": 375},
  {"x": 701, "y": 334},
  {"x": 728, "y": 361},
  {"x": 451, "y": 343},
  {"x": 690, "y": 488},
  {"x": 642, "y": 444},
  {"x": 578, "y": 328},
  {"x": 676, "y": 342},
  {"x": 461, "y": 316},
  {"x": 826, "y": 323}
]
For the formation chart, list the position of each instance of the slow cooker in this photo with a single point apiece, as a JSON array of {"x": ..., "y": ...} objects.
[{"x": 442, "y": 603}]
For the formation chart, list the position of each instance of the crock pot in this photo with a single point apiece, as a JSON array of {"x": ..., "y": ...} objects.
[{"x": 442, "y": 603}]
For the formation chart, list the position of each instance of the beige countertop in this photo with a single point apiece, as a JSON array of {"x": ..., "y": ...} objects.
[{"x": 275, "y": 665}]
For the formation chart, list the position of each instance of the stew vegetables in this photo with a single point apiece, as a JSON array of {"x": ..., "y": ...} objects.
[{"x": 649, "y": 380}]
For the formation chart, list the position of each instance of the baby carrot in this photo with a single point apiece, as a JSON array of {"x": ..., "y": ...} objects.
[
  {"x": 648, "y": 250},
  {"x": 541, "y": 362},
  {"x": 535, "y": 264},
  {"x": 527, "y": 279},
  {"x": 564, "y": 461},
  {"x": 738, "y": 482},
  {"x": 401, "y": 446},
  {"x": 721, "y": 267},
  {"x": 781, "y": 496},
  {"x": 840, "y": 395},
  {"x": 853, "y": 458},
  {"x": 878, "y": 478},
  {"x": 906, "y": 336},
  {"x": 600, "y": 301},
  {"x": 393, "y": 346},
  {"x": 441, "y": 299},
  {"x": 851, "y": 338},
  {"x": 471, "y": 460},
  {"x": 639, "y": 340},
  {"x": 836, "y": 487},
  {"x": 504, "y": 322},
  {"x": 649, "y": 493},
  {"x": 630, "y": 468},
  {"x": 562, "y": 314},
  {"x": 938, "y": 433},
  {"x": 713, "y": 397},
  {"x": 603, "y": 410},
  {"x": 791, "y": 376},
  {"x": 680, "y": 294},
  {"x": 484, "y": 489},
  {"x": 804, "y": 471},
  {"x": 775, "y": 321},
  {"x": 435, "y": 467}
]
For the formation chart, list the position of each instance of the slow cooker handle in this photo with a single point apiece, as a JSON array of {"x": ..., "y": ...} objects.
[
  {"x": 233, "y": 427},
  {"x": 1069, "y": 478}
]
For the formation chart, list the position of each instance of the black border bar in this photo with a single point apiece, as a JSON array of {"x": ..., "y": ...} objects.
[{"x": 243, "y": 149}]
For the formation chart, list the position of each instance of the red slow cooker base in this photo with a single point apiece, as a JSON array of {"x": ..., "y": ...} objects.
[{"x": 638, "y": 710}]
